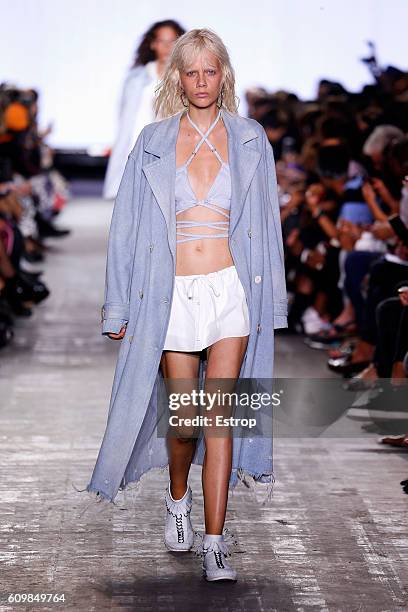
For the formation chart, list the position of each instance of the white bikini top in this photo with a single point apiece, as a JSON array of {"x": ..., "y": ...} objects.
[{"x": 218, "y": 196}]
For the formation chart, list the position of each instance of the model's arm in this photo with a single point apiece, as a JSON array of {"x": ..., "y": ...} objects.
[
  {"x": 121, "y": 244},
  {"x": 280, "y": 299}
]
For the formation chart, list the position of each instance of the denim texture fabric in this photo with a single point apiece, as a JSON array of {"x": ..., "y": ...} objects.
[{"x": 140, "y": 271}]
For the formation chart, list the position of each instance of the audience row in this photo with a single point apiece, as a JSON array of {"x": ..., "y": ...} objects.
[{"x": 32, "y": 194}]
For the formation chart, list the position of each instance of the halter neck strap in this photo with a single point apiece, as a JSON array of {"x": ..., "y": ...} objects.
[
  {"x": 204, "y": 137},
  {"x": 209, "y": 129}
]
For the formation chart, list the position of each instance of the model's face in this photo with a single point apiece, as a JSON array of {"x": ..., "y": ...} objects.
[
  {"x": 201, "y": 80},
  {"x": 163, "y": 43}
]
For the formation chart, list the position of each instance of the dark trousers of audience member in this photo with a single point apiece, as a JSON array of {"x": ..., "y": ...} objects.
[
  {"x": 324, "y": 281},
  {"x": 356, "y": 266},
  {"x": 18, "y": 246},
  {"x": 384, "y": 276},
  {"x": 392, "y": 343}
]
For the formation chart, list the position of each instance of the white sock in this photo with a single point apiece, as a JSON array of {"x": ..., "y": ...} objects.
[
  {"x": 209, "y": 537},
  {"x": 177, "y": 500}
]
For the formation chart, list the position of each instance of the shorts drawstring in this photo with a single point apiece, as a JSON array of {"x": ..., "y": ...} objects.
[
  {"x": 205, "y": 309},
  {"x": 190, "y": 290}
]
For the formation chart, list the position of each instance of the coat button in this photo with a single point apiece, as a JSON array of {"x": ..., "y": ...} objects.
[
  {"x": 165, "y": 300},
  {"x": 249, "y": 233},
  {"x": 258, "y": 328},
  {"x": 258, "y": 279},
  {"x": 141, "y": 293}
]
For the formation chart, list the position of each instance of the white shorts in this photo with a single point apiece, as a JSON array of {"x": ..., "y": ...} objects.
[{"x": 206, "y": 308}]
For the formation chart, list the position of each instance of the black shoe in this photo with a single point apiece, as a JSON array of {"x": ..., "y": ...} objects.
[
  {"x": 33, "y": 256},
  {"x": 20, "y": 310},
  {"x": 47, "y": 230},
  {"x": 53, "y": 232},
  {"x": 6, "y": 333},
  {"x": 344, "y": 365},
  {"x": 6, "y": 313},
  {"x": 30, "y": 277},
  {"x": 20, "y": 289},
  {"x": 14, "y": 297},
  {"x": 34, "y": 288}
]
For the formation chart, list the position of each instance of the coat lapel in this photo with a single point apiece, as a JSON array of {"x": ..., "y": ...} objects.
[
  {"x": 160, "y": 173},
  {"x": 243, "y": 160}
]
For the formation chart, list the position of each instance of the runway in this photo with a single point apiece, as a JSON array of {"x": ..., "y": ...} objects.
[{"x": 335, "y": 537}]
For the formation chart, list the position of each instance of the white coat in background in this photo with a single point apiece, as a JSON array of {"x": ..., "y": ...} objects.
[{"x": 135, "y": 111}]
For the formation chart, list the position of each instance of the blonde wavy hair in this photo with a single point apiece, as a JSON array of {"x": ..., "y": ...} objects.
[{"x": 167, "y": 94}]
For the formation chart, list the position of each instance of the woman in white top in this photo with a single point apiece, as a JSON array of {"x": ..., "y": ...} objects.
[{"x": 136, "y": 104}]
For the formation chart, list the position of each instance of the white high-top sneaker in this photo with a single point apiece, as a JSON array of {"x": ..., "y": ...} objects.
[
  {"x": 179, "y": 532},
  {"x": 214, "y": 554}
]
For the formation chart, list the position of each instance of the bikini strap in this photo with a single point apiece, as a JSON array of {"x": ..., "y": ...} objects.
[{"x": 204, "y": 138}]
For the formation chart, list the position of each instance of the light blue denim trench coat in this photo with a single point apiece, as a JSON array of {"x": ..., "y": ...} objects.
[{"x": 140, "y": 270}]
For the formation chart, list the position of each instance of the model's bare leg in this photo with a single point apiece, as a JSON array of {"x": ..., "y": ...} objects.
[
  {"x": 224, "y": 361},
  {"x": 177, "y": 365}
]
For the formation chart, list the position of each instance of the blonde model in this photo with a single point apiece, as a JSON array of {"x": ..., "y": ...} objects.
[{"x": 195, "y": 283}]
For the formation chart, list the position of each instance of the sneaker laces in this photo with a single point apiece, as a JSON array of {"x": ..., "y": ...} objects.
[
  {"x": 180, "y": 530},
  {"x": 218, "y": 558}
]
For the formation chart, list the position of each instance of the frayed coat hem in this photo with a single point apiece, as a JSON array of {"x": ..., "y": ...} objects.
[{"x": 260, "y": 485}]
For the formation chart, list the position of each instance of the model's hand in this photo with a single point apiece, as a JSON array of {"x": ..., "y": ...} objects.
[{"x": 118, "y": 336}]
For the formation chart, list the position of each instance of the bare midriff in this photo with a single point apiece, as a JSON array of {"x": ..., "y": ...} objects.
[{"x": 202, "y": 255}]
